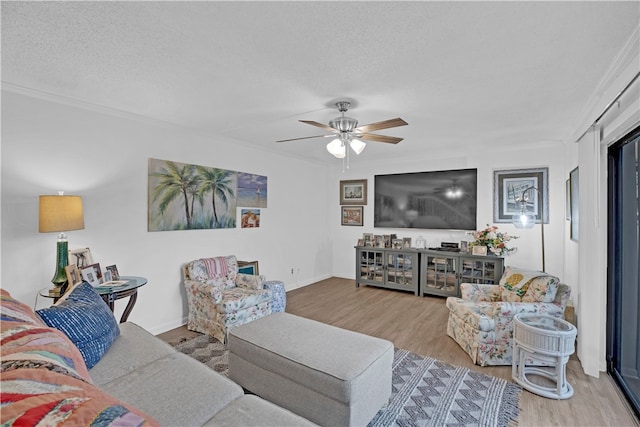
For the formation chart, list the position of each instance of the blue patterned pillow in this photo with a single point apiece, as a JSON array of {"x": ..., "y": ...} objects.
[{"x": 86, "y": 319}]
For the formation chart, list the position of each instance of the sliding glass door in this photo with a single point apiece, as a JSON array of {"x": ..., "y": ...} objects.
[{"x": 623, "y": 305}]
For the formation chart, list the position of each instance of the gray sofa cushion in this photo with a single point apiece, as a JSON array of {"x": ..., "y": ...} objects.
[
  {"x": 176, "y": 390},
  {"x": 132, "y": 350},
  {"x": 251, "y": 410}
]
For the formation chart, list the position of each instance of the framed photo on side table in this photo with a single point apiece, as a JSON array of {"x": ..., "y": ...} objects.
[
  {"x": 114, "y": 272},
  {"x": 508, "y": 186},
  {"x": 80, "y": 257},
  {"x": 89, "y": 275},
  {"x": 353, "y": 192},
  {"x": 73, "y": 274}
]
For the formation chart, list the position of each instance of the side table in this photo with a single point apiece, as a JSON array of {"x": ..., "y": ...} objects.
[
  {"x": 130, "y": 289},
  {"x": 547, "y": 341}
]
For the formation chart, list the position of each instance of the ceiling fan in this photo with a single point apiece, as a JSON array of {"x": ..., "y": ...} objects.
[{"x": 347, "y": 132}]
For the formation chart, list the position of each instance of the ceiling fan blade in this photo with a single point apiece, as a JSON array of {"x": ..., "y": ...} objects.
[
  {"x": 385, "y": 124},
  {"x": 320, "y": 125},
  {"x": 379, "y": 138},
  {"x": 304, "y": 137}
]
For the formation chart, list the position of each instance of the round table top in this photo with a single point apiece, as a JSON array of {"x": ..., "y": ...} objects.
[
  {"x": 131, "y": 282},
  {"x": 544, "y": 323}
]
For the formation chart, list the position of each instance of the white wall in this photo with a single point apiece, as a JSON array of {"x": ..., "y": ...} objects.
[{"x": 49, "y": 146}]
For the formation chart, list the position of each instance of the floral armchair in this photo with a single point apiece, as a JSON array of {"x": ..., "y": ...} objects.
[
  {"x": 220, "y": 298},
  {"x": 481, "y": 321}
]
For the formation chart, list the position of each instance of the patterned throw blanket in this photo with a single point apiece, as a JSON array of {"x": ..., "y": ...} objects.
[{"x": 216, "y": 267}]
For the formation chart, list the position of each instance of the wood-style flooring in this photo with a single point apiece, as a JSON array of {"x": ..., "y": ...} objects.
[{"x": 419, "y": 325}]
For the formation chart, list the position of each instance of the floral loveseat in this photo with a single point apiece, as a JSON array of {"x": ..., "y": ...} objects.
[
  {"x": 481, "y": 321},
  {"x": 220, "y": 298}
]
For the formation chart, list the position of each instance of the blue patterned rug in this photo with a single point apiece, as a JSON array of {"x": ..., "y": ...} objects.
[{"x": 426, "y": 392}]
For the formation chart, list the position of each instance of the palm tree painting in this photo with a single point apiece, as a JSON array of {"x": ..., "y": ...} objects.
[{"x": 187, "y": 197}]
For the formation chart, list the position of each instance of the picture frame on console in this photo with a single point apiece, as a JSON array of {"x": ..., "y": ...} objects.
[
  {"x": 353, "y": 192},
  {"x": 479, "y": 250},
  {"x": 508, "y": 186}
]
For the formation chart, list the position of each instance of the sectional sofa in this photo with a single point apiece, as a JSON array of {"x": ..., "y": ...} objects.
[{"x": 98, "y": 372}]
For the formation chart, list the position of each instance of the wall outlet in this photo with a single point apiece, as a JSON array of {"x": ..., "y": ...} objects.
[{"x": 292, "y": 271}]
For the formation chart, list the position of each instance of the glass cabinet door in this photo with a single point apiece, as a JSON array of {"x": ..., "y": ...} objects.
[
  {"x": 479, "y": 271},
  {"x": 400, "y": 269},
  {"x": 440, "y": 275},
  {"x": 371, "y": 264}
]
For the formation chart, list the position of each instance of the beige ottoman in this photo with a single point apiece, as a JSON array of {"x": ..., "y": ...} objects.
[{"x": 328, "y": 375}]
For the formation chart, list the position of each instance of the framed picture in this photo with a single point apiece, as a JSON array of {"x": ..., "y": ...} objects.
[
  {"x": 352, "y": 215},
  {"x": 508, "y": 186},
  {"x": 464, "y": 246},
  {"x": 567, "y": 208},
  {"x": 89, "y": 275},
  {"x": 248, "y": 267},
  {"x": 114, "y": 272},
  {"x": 250, "y": 218},
  {"x": 97, "y": 271},
  {"x": 406, "y": 242},
  {"x": 379, "y": 241},
  {"x": 574, "y": 195},
  {"x": 368, "y": 239},
  {"x": 397, "y": 243},
  {"x": 107, "y": 276},
  {"x": 353, "y": 192},
  {"x": 360, "y": 243},
  {"x": 479, "y": 250},
  {"x": 73, "y": 274},
  {"x": 80, "y": 257}
]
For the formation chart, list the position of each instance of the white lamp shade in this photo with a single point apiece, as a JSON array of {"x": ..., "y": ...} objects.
[
  {"x": 357, "y": 145},
  {"x": 336, "y": 148}
]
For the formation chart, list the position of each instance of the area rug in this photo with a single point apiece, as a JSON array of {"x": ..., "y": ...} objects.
[{"x": 425, "y": 391}]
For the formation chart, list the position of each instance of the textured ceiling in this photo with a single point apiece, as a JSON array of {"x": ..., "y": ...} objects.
[{"x": 462, "y": 74}]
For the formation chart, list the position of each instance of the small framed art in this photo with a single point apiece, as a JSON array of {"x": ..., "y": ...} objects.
[
  {"x": 352, "y": 215},
  {"x": 73, "y": 274},
  {"x": 353, "y": 192}
]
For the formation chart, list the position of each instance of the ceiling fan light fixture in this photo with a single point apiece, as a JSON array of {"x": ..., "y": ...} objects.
[
  {"x": 336, "y": 148},
  {"x": 357, "y": 145}
]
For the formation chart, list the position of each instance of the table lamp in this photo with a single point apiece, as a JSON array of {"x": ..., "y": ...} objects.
[
  {"x": 59, "y": 214},
  {"x": 528, "y": 220}
]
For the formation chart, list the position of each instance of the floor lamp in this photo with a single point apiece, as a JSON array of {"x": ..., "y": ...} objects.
[
  {"x": 59, "y": 214},
  {"x": 527, "y": 220}
]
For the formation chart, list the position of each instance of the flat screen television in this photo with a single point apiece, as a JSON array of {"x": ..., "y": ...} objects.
[{"x": 427, "y": 200}]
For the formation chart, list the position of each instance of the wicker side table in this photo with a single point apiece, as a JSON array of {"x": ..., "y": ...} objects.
[{"x": 547, "y": 341}]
